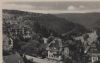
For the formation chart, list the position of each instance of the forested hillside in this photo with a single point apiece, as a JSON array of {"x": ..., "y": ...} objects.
[
  {"x": 85, "y": 19},
  {"x": 39, "y": 23}
]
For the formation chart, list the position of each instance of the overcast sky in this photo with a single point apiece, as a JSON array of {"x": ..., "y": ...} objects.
[{"x": 55, "y": 7}]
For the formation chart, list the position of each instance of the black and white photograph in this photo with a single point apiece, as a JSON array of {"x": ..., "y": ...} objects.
[{"x": 51, "y": 31}]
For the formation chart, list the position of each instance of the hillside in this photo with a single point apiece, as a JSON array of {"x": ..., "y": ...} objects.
[
  {"x": 85, "y": 19},
  {"x": 40, "y": 23},
  {"x": 96, "y": 24}
]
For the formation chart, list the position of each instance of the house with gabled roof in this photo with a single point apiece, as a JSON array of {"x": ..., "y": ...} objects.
[
  {"x": 54, "y": 49},
  {"x": 93, "y": 53}
]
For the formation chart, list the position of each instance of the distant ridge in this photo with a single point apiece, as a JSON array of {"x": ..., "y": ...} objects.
[{"x": 85, "y": 19}]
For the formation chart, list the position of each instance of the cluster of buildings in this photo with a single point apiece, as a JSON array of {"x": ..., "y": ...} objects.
[{"x": 56, "y": 49}]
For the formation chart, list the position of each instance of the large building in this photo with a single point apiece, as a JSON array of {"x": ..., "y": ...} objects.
[
  {"x": 54, "y": 49},
  {"x": 93, "y": 53},
  {"x": 7, "y": 43}
]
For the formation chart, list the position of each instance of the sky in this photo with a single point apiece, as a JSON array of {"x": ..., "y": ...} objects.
[{"x": 54, "y": 6}]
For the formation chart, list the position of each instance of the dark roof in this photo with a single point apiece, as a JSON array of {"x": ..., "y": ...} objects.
[
  {"x": 14, "y": 58},
  {"x": 57, "y": 43},
  {"x": 5, "y": 37}
]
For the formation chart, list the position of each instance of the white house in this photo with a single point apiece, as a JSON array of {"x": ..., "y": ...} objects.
[{"x": 54, "y": 49}]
